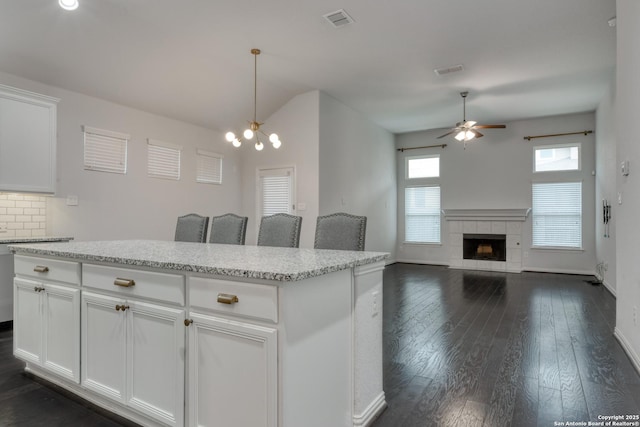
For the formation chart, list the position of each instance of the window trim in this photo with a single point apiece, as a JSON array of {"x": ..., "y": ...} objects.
[
  {"x": 550, "y": 146},
  {"x": 424, "y": 156}
]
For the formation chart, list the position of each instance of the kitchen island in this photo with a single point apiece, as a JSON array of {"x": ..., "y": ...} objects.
[{"x": 174, "y": 333}]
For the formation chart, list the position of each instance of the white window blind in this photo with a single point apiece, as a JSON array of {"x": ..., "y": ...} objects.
[
  {"x": 276, "y": 187},
  {"x": 208, "y": 167},
  {"x": 422, "y": 214},
  {"x": 557, "y": 214},
  {"x": 105, "y": 151},
  {"x": 163, "y": 159}
]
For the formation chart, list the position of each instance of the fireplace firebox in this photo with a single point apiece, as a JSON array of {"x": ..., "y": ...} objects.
[{"x": 485, "y": 247}]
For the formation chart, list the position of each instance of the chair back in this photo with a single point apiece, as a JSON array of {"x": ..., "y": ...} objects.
[
  {"x": 340, "y": 231},
  {"x": 282, "y": 230},
  {"x": 192, "y": 228},
  {"x": 229, "y": 229}
]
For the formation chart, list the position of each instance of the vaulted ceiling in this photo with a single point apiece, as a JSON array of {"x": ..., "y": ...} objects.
[{"x": 191, "y": 60}]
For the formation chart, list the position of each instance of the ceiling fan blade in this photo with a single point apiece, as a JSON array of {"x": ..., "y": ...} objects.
[
  {"x": 446, "y": 134},
  {"x": 476, "y": 133},
  {"x": 490, "y": 126}
]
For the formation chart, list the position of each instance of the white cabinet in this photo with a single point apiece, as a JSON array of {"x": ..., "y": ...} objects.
[
  {"x": 27, "y": 141},
  {"x": 133, "y": 350},
  {"x": 232, "y": 373},
  {"x": 47, "y": 326}
]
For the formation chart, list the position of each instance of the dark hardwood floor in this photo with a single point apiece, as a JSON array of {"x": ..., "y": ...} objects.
[
  {"x": 462, "y": 348},
  {"x": 469, "y": 348}
]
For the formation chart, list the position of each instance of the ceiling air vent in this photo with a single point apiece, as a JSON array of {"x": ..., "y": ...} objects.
[
  {"x": 448, "y": 70},
  {"x": 339, "y": 18}
]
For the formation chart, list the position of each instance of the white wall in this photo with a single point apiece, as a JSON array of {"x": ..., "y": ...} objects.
[
  {"x": 128, "y": 206},
  {"x": 357, "y": 172},
  {"x": 297, "y": 125},
  {"x": 497, "y": 172},
  {"x": 606, "y": 173},
  {"x": 628, "y": 148}
]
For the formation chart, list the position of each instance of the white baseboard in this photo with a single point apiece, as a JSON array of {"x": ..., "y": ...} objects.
[
  {"x": 626, "y": 346},
  {"x": 610, "y": 288},
  {"x": 371, "y": 412},
  {"x": 422, "y": 262},
  {"x": 560, "y": 271}
]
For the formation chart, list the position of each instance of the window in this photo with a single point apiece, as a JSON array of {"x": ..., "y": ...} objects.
[
  {"x": 209, "y": 167},
  {"x": 423, "y": 167},
  {"x": 275, "y": 191},
  {"x": 163, "y": 159},
  {"x": 557, "y": 214},
  {"x": 422, "y": 214},
  {"x": 105, "y": 151},
  {"x": 556, "y": 158}
]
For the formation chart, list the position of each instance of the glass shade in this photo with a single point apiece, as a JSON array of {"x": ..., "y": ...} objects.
[
  {"x": 273, "y": 138},
  {"x": 68, "y": 4},
  {"x": 236, "y": 143},
  {"x": 248, "y": 133},
  {"x": 276, "y": 144},
  {"x": 460, "y": 135},
  {"x": 230, "y": 136},
  {"x": 259, "y": 146}
]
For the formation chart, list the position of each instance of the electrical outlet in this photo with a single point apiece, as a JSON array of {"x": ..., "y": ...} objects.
[{"x": 375, "y": 304}]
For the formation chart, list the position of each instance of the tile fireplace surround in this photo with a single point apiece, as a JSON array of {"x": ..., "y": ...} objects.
[{"x": 486, "y": 221}]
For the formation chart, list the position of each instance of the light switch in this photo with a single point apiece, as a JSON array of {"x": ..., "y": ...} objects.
[{"x": 620, "y": 198}]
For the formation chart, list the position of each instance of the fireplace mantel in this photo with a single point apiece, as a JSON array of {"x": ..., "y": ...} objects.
[{"x": 486, "y": 214}]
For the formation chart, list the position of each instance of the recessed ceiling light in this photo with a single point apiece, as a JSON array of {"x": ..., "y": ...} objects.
[{"x": 68, "y": 4}]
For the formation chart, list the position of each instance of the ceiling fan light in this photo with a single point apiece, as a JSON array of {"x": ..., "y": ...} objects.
[
  {"x": 468, "y": 136},
  {"x": 230, "y": 136},
  {"x": 236, "y": 143},
  {"x": 460, "y": 135},
  {"x": 259, "y": 146},
  {"x": 68, "y": 4},
  {"x": 248, "y": 133}
]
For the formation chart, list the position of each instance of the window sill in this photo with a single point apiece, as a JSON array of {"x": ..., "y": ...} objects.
[
  {"x": 556, "y": 248},
  {"x": 421, "y": 244}
]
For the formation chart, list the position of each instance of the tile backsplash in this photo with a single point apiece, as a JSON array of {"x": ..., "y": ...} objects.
[{"x": 23, "y": 215}]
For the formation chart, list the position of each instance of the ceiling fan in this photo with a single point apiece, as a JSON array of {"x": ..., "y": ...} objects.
[{"x": 467, "y": 130}]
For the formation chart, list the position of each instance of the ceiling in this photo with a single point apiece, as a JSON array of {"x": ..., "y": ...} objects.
[{"x": 191, "y": 60}]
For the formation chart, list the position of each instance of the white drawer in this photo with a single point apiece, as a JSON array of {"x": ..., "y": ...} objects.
[
  {"x": 135, "y": 283},
  {"x": 47, "y": 269},
  {"x": 259, "y": 301}
]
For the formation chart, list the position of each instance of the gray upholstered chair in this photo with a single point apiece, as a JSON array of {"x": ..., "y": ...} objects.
[
  {"x": 341, "y": 231},
  {"x": 281, "y": 230},
  {"x": 192, "y": 228},
  {"x": 229, "y": 229}
]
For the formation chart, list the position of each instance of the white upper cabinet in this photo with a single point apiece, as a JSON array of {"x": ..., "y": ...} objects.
[{"x": 27, "y": 141}]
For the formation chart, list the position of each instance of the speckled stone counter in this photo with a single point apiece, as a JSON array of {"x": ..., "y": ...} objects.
[
  {"x": 256, "y": 262},
  {"x": 43, "y": 239}
]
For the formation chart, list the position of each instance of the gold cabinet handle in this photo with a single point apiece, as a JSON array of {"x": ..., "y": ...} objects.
[
  {"x": 227, "y": 299},
  {"x": 187, "y": 322},
  {"x": 125, "y": 283},
  {"x": 38, "y": 289},
  {"x": 118, "y": 307},
  {"x": 41, "y": 269},
  {"x": 122, "y": 307}
]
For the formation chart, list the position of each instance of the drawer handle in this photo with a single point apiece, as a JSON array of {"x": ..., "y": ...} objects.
[
  {"x": 38, "y": 289},
  {"x": 227, "y": 299},
  {"x": 125, "y": 283},
  {"x": 187, "y": 322},
  {"x": 121, "y": 307},
  {"x": 41, "y": 269}
]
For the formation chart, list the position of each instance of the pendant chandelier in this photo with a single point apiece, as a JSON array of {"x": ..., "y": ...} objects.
[{"x": 254, "y": 126}]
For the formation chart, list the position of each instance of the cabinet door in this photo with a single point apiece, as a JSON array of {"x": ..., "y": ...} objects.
[
  {"x": 232, "y": 373},
  {"x": 103, "y": 345},
  {"x": 61, "y": 338},
  {"x": 27, "y": 141},
  {"x": 155, "y": 361},
  {"x": 27, "y": 320}
]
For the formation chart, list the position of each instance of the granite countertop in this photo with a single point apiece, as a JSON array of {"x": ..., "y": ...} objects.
[
  {"x": 256, "y": 262},
  {"x": 10, "y": 240}
]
